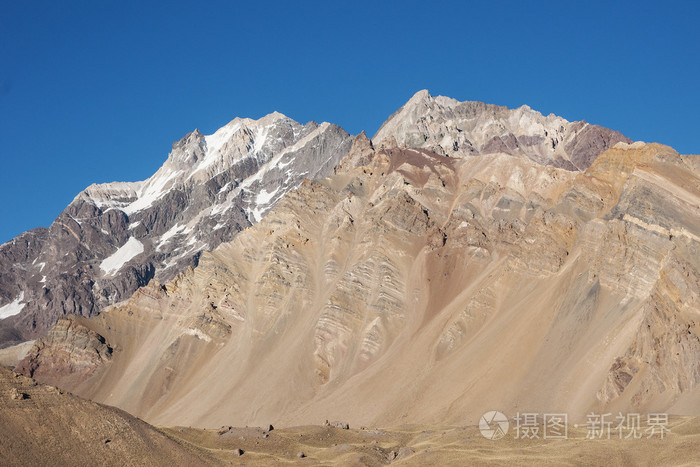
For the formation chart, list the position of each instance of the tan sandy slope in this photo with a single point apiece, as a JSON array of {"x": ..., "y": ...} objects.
[{"x": 40, "y": 425}]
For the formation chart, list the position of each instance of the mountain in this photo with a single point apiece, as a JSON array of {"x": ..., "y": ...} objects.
[
  {"x": 412, "y": 287},
  {"x": 457, "y": 129},
  {"x": 116, "y": 237}
]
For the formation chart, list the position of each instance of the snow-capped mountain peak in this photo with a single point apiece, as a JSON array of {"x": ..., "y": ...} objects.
[{"x": 115, "y": 237}]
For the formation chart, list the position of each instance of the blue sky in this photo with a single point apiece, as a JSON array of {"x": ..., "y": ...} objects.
[{"x": 97, "y": 91}]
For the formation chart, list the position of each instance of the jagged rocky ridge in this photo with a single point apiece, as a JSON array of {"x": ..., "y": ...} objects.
[
  {"x": 456, "y": 129},
  {"x": 415, "y": 287},
  {"x": 116, "y": 237}
]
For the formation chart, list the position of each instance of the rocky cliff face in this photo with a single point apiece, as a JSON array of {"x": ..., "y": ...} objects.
[
  {"x": 76, "y": 352},
  {"x": 415, "y": 287},
  {"x": 457, "y": 129},
  {"x": 116, "y": 237}
]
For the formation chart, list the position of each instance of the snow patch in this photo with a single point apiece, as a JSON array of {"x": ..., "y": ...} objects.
[
  {"x": 281, "y": 160},
  {"x": 221, "y": 136},
  {"x": 12, "y": 308},
  {"x": 264, "y": 197},
  {"x": 214, "y": 143},
  {"x": 224, "y": 188},
  {"x": 153, "y": 190},
  {"x": 174, "y": 230},
  {"x": 259, "y": 138},
  {"x": 123, "y": 255},
  {"x": 262, "y": 200},
  {"x": 219, "y": 208},
  {"x": 76, "y": 220}
]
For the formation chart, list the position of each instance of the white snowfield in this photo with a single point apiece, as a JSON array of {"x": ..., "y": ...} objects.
[
  {"x": 123, "y": 255},
  {"x": 13, "y": 307}
]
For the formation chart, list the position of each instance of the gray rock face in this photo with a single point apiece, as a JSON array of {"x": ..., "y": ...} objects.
[
  {"x": 116, "y": 237},
  {"x": 459, "y": 129}
]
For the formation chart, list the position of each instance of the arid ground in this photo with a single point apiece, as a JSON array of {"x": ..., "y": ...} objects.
[{"x": 41, "y": 425}]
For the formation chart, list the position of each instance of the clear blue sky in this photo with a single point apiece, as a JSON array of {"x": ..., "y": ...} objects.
[{"x": 97, "y": 91}]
